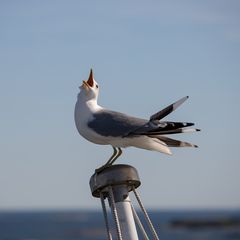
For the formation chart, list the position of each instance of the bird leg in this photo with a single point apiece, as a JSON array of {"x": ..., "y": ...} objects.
[
  {"x": 116, "y": 153},
  {"x": 114, "y": 158}
]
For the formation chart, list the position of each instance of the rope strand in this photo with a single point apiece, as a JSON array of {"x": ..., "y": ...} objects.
[
  {"x": 105, "y": 216},
  {"x": 115, "y": 215},
  {"x": 139, "y": 223},
  {"x": 146, "y": 215}
]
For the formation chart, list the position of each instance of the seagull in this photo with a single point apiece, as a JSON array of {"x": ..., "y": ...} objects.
[{"x": 106, "y": 127}]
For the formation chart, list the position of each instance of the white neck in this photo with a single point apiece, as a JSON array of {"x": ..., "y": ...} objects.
[{"x": 91, "y": 104}]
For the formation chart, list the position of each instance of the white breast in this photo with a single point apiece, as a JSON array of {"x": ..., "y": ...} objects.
[{"x": 83, "y": 114}]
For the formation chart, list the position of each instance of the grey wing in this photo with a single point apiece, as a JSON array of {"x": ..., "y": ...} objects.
[{"x": 115, "y": 124}]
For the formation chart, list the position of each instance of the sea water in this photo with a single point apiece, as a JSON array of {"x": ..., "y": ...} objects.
[{"x": 90, "y": 225}]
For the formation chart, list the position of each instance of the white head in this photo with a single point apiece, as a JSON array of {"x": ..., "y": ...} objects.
[{"x": 89, "y": 89}]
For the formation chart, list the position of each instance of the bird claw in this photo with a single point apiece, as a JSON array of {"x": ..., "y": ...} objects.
[{"x": 102, "y": 168}]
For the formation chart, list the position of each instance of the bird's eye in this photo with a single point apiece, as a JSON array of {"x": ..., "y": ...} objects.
[{"x": 96, "y": 86}]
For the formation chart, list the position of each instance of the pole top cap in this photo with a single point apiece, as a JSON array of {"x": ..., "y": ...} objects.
[{"x": 119, "y": 174}]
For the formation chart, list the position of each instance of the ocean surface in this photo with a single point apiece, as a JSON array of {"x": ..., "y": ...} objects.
[{"x": 90, "y": 225}]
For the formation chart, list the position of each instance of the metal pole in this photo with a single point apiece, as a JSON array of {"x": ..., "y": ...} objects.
[
  {"x": 115, "y": 182},
  {"x": 125, "y": 214}
]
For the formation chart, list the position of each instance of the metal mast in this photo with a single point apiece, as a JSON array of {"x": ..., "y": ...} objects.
[{"x": 114, "y": 183}]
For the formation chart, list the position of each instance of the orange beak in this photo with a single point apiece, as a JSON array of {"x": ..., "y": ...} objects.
[
  {"x": 89, "y": 83},
  {"x": 90, "y": 79}
]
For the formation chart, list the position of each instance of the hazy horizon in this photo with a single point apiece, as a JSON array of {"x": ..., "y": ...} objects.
[{"x": 145, "y": 55}]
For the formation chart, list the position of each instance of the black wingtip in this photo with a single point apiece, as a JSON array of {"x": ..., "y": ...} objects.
[
  {"x": 198, "y": 130},
  {"x": 167, "y": 110},
  {"x": 188, "y": 124}
]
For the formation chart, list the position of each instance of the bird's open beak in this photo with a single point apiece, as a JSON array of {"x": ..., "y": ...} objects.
[{"x": 89, "y": 83}]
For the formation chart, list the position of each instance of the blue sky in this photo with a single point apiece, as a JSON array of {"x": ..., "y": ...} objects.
[{"x": 145, "y": 55}]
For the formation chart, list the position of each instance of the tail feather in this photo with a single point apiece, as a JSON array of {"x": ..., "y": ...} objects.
[
  {"x": 150, "y": 143},
  {"x": 174, "y": 143}
]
